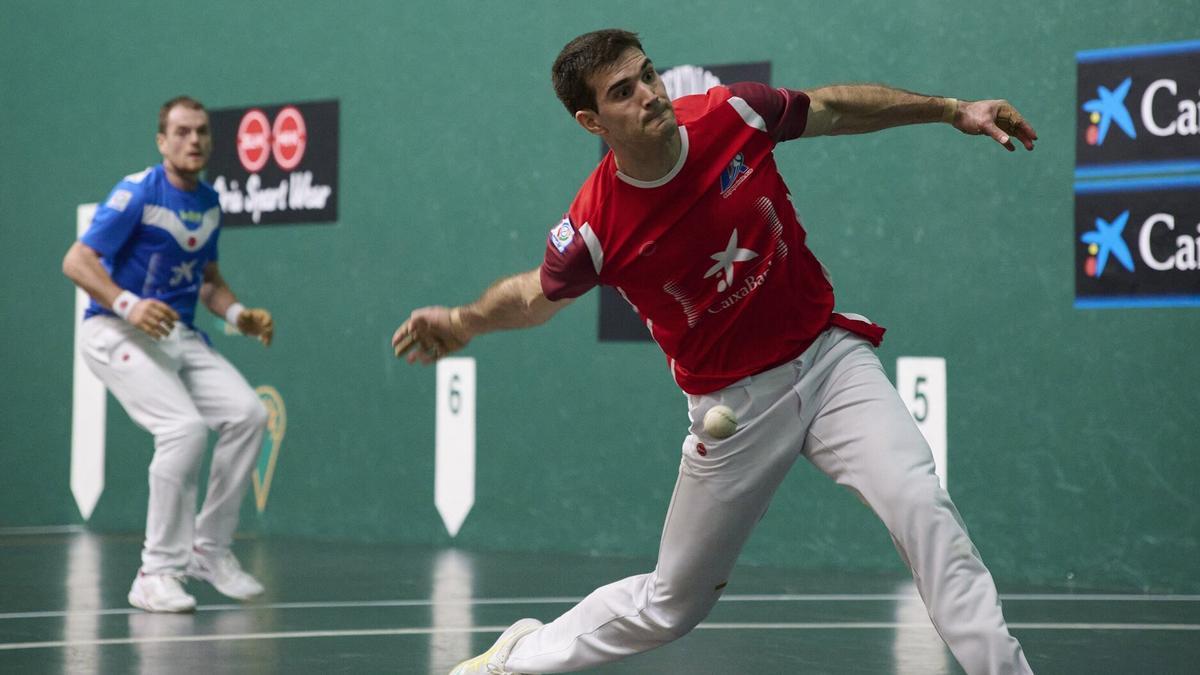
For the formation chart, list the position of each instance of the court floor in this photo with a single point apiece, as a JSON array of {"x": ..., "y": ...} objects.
[{"x": 370, "y": 608}]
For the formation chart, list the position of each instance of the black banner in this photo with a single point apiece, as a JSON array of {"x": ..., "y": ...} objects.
[
  {"x": 618, "y": 322},
  {"x": 1137, "y": 110},
  {"x": 1136, "y": 243},
  {"x": 276, "y": 164}
]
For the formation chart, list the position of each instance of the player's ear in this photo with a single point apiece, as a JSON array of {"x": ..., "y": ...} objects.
[
  {"x": 590, "y": 121},
  {"x": 160, "y": 139}
]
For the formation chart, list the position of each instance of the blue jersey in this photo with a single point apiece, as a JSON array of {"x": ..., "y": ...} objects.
[{"x": 155, "y": 239}]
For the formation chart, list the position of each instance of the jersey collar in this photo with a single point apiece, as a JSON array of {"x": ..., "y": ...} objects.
[{"x": 683, "y": 152}]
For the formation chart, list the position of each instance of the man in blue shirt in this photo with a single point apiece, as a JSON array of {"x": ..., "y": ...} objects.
[{"x": 149, "y": 254}]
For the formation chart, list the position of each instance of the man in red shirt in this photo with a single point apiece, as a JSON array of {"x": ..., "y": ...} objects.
[{"x": 689, "y": 219}]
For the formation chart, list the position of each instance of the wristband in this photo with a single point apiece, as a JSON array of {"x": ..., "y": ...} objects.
[
  {"x": 949, "y": 110},
  {"x": 456, "y": 320},
  {"x": 231, "y": 315},
  {"x": 124, "y": 304}
]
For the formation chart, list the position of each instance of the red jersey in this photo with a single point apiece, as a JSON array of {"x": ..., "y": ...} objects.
[{"x": 712, "y": 255}]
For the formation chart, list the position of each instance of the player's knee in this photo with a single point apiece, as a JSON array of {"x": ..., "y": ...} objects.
[
  {"x": 675, "y": 622},
  {"x": 183, "y": 432},
  {"x": 250, "y": 414},
  {"x": 179, "y": 449},
  {"x": 675, "y": 612}
]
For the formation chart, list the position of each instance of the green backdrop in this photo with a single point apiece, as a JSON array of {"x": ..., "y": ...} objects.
[{"x": 1072, "y": 434}]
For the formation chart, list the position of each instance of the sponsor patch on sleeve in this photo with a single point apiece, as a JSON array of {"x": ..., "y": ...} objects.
[
  {"x": 119, "y": 200},
  {"x": 562, "y": 234}
]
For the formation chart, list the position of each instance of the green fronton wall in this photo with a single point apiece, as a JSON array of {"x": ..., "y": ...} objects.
[{"x": 1072, "y": 434}]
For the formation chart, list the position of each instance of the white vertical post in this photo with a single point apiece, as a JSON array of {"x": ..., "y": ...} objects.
[
  {"x": 454, "y": 470},
  {"x": 921, "y": 381},
  {"x": 88, "y": 405}
]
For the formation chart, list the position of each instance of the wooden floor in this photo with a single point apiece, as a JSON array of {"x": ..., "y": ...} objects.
[{"x": 358, "y": 608}]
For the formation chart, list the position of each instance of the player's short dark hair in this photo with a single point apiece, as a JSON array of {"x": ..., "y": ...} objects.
[
  {"x": 185, "y": 101},
  {"x": 582, "y": 57}
]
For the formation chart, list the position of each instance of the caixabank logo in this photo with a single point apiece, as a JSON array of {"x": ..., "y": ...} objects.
[
  {"x": 276, "y": 164},
  {"x": 1137, "y": 110},
  {"x": 1137, "y": 243}
]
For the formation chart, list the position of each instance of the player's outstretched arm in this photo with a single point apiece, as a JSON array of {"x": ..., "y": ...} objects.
[
  {"x": 512, "y": 302},
  {"x": 82, "y": 266},
  {"x": 862, "y": 108},
  {"x": 220, "y": 300}
]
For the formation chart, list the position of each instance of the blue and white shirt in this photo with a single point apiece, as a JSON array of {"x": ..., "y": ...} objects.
[{"x": 155, "y": 239}]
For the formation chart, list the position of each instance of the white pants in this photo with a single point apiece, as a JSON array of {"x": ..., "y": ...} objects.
[
  {"x": 835, "y": 406},
  {"x": 178, "y": 388}
]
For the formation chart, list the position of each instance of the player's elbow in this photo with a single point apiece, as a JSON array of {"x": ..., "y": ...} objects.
[
  {"x": 823, "y": 114},
  {"x": 206, "y": 294},
  {"x": 71, "y": 262},
  {"x": 537, "y": 307}
]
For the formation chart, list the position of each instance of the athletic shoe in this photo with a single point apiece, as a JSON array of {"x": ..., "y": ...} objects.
[
  {"x": 492, "y": 661},
  {"x": 222, "y": 570},
  {"x": 160, "y": 593}
]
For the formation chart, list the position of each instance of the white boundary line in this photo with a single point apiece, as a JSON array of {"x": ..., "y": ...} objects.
[
  {"x": 1018, "y": 597},
  {"x": 285, "y": 635},
  {"x": 833, "y": 597},
  {"x": 41, "y": 529},
  {"x": 882, "y": 625},
  {"x": 859, "y": 625}
]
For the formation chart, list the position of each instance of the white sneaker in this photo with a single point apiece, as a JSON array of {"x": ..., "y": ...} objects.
[
  {"x": 222, "y": 570},
  {"x": 160, "y": 593},
  {"x": 492, "y": 661}
]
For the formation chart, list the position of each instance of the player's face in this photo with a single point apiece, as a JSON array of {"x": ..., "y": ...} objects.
[
  {"x": 187, "y": 143},
  {"x": 631, "y": 101}
]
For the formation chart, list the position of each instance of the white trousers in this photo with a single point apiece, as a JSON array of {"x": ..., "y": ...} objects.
[
  {"x": 178, "y": 388},
  {"x": 835, "y": 406}
]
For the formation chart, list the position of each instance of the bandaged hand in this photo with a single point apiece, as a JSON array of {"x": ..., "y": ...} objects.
[
  {"x": 257, "y": 323},
  {"x": 152, "y": 317}
]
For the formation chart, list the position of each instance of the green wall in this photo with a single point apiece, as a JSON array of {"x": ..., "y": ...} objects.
[{"x": 1073, "y": 451}]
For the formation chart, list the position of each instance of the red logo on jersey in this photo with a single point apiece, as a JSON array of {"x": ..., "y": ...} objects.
[
  {"x": 701, "y": 450},
  {"x": 288, "y": 138},
  {"x": 253, "y": 140}
]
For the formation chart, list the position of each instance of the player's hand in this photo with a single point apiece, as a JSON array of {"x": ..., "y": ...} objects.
[
  {"x": 429, "y": 334},
  {"x": 257, "y": 323},
  {"x": 153, "y": 317},
  {"x": 995, "y": 118}
]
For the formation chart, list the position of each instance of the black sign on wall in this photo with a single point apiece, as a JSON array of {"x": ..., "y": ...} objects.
[
  {"x": 617, "y": 321},
  {"x": 1137, "y": 227},
  {"x": 1137, "y": 110},
  {"x": 1137, "y": 243},
  {"x": 275, "y": 164}
]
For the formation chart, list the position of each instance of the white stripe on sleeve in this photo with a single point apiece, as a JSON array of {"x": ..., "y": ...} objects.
[
  {"x": 593, "y": 246},
  {"x": 749, "y": 116}
]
